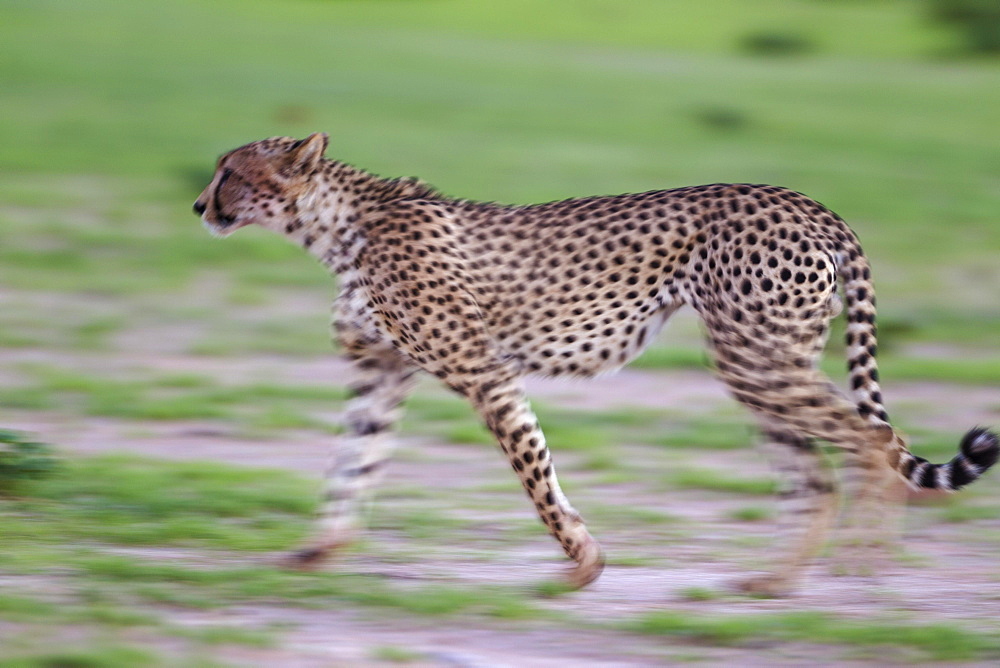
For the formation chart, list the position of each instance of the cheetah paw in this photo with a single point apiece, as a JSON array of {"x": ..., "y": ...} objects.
[
  {"x": 587, "y": 570},
  {"x": 768, "y": 586},
  {"x": 305, "y": 559}
]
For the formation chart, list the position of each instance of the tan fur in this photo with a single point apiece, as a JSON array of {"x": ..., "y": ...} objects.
[{"x": 481, "y": 294}]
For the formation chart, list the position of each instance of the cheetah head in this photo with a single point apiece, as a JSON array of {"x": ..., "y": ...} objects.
[{"x": 261, "y": 183}]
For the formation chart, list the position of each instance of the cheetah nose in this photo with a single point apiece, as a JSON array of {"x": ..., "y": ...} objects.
[{"x": 199, "y": 208}]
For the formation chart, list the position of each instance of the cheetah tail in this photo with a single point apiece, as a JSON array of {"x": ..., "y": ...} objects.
[
  {"x": 977, "y": 452},
  {"x": 860, "y": 336},
  {"x": 979, "y": 448}
]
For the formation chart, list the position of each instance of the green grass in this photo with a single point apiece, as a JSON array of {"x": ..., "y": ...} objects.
[
  {"x": 122, "y": 540},
  {"x": 101, "y": 655},
  {"x": 106, "y": 144},
  {"x": 694, "y": 594},
  {"x": 227, "y": 635},
  {"x": 939, "y": 642},
  {"x": 751, "y": 514},
  {"x": 97, "y": 503},
  {"x": 218, "y": 516},
  {"x": 14, "y": 607},
  {"x": 970, "y": 367},
  {"x": 666, "y": 357},
  {"x": 973, "y": 370},
  {"x": 264, "y": 406},
  {"x": 130, "y": 501},
  {"x": 214, "y": 587},
  {"x": 298, "y": 336},
  {"x": 711, "y": 480},
  {"x": 962, "y": 510},
  {"x": 394, "y": 654},
  {"x": 703, "y": 433}
]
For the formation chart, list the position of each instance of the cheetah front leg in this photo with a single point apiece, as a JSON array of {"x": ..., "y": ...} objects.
[
  {"x": 448, "y": 337},
  {"x": 501, "y": 403},
  {"x": 383, "y": 378}
]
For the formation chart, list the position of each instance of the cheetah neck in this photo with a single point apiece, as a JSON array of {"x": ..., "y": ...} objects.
[{"x": 327, "y": 215}]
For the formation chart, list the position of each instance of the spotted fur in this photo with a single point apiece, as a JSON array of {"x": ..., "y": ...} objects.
[{"x": 482, "y": 294}]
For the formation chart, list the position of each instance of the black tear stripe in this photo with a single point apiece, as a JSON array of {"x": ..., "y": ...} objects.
[{"x": 223, "y": 218}]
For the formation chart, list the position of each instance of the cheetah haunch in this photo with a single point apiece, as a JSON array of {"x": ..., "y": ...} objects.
[{"x": 482, "y": 294}]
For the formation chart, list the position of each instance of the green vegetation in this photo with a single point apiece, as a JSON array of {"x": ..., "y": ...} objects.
[
  {"x": 970, "y": 511},
  {"x": 133, "y": 523},
  {"x": 978, "y": 20},
  {"x": 751, "y": 514},
  {"x": 696, "y": 594},
  {"x": 170, "y": 507},
  {"x": 973, "y": 370},
  {"x": 128, "y": 501},
  {"x": 395, "y": 654},
  {"x": 896, "y": 366},
  {"x": 102, "y": 654},
  {"x": 98, "y": 503},
  {"x": 98, "y": 189},
  {"x": 187, "y": 529},
  {"x": 173, "y": 397},
  {"x": 940, "y": 642},
  {"x": 21, "y": 607},
  {"x": 664, "y": 357},
  {"x": 22, "y": 459},
  {"x": 714, "y": 481}
]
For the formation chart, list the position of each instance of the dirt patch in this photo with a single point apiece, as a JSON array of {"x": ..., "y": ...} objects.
[{"x": 950, "y": 572}]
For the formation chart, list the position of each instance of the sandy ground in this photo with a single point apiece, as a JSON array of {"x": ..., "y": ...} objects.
[{"x": 951, "y": 573}]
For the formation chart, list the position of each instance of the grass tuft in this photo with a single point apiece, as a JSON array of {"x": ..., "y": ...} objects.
[
  {"x": 940, "y": 642},
  {"x": 716, "y": 482}
]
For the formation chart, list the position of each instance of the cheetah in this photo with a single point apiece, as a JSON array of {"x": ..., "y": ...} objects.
[{"x": 481, "y": 295}]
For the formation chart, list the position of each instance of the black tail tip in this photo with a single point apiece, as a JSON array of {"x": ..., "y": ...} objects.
[{"x": 981, "y": 447}]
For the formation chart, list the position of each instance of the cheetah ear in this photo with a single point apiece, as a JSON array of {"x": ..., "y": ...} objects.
[{"x": 306, "y": 153}]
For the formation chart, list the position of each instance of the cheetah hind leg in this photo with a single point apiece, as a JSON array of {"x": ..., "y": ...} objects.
[
  {"x": 875, "y": 501},
  {"x": 807, "y": 504}
]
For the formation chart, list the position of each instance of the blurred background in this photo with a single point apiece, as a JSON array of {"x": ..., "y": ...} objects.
[{"x": 125, "y": 328}]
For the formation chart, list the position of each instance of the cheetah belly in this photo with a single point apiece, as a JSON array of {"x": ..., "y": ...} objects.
[{"x": 548, "y": 346}]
